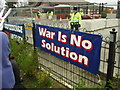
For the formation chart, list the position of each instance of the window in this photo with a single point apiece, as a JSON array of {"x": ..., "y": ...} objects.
[
  {"x": 67, "y": 11},
  {"x": 57, "y": 11},
  {"x": 62, "y": 11}
]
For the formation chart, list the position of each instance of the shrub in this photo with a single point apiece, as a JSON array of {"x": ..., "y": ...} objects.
[
  {"x": 25, "y": 56},
  {"x": 44, "y": 79},
  {"x": 27, "y": 60},
  {"x": 103, "y": 15}
]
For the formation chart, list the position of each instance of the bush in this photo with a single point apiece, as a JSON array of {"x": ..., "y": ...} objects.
[
  {"x": 44, "y": 80},
  {"x": 27, "y": 60},
  {"x": 25, "y": 56},
  {"x": 103, "y": 15}
]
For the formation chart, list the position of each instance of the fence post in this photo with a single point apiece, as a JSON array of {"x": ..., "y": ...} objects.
[
  {"x": 111, "y": 58},
  {"x": 33, "y": 32},
  {"x": 24, "y": 35},
  {"x": 118, "y": 10}
]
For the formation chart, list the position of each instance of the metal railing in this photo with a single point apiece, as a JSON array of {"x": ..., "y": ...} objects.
[{"x": 68, "y": 74}]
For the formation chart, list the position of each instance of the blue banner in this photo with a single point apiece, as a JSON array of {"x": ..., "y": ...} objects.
[
  {"x": 78, "y": 48},
  {"x": 16, "y": 29}
]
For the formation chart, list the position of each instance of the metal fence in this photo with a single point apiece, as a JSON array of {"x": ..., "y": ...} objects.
[
  {"x": 68, "y": 74},
  {"x": 71, "y": 75}
]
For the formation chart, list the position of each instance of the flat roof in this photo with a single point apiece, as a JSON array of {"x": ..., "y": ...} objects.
[{"x": 63, "y": 5}]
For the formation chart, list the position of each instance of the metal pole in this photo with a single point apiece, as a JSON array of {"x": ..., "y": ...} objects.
[
  {"x": 118, "y": 16},
  {"x": 118, "y": 10},
  {"x": 111, "y": 58},
  {"x": 33, "y": 32},
  {"x": 31, "y": 12},
  {"x": 87, "y": 9},
  {"x": 100, "y": 8},
  {"x": 24, "y": 35},
  {"x": 93, "y": 8}
]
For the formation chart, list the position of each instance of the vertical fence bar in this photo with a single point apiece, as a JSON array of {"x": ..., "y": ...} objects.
[
  {"x": 111, "y": 58},
  {"x": 118, "y": 10},
  {"x": 33, "y": 33},
  {"x": 24, "y": 35}
]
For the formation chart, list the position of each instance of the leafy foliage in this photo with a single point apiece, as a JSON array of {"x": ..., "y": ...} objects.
[
  {"x": 44, "y": 80},
  {"x": 25, "y": 56},
  {"x": 27, "y": 60},
  {"x": 103, "y": 15}
]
